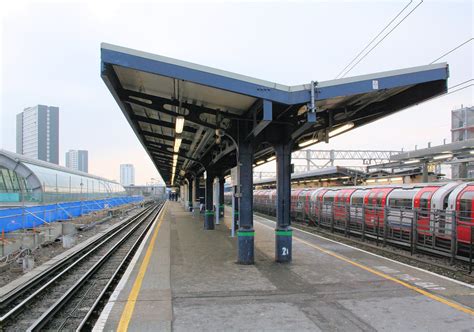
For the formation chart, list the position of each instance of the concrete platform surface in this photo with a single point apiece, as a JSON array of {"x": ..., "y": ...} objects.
[{"x": 186, "y": 279}]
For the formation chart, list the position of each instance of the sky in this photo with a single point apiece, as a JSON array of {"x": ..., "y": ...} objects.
[{"x": 50, "y": 54}]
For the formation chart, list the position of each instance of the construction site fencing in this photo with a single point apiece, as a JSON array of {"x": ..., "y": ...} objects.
[{"x": 12, "y": 219}]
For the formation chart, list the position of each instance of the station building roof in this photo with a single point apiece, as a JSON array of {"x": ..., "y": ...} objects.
[
  {"x": 326, "y": 174},
  {"x": 39, "y": 176},
  {"x": 452, "y": 153},
  {"x": 152, "y": 91}
]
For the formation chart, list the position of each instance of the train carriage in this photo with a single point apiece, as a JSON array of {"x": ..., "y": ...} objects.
[{"x": 432, "y": 206}]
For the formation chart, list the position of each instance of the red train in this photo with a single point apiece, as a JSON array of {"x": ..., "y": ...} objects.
[{"x": 394, "y": 211}]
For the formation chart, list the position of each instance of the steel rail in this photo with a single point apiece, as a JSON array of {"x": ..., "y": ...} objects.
[
  {"x": 48, "y": 314},
  {"x": 111, "y": 284},
  {"x": 96, "y": 246},
  {"x": 27, "y": 286}
]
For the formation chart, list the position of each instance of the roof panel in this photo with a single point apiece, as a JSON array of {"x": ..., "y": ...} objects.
[{"x": 154, "y": 89}]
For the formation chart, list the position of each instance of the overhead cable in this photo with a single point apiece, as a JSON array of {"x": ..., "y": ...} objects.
[
  {"x": 386, "y": 35},
  {"x": 454, "y": 49},
  {"x": 378, "y": 35}
]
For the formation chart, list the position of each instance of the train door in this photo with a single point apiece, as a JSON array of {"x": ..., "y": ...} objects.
[
  {"x": 465, "y": 213},
  {"x": 294, "y": 208},
  {"x": 316, "y": 204},
  {"x": 375, "y": 203},
  {"x": 357, "y": 205},
  {"x": 422, "y": 202},
  {"x": 341, "y": 203}
]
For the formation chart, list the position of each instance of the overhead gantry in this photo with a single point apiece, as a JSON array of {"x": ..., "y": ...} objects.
[{"x": 194, "y": 120}]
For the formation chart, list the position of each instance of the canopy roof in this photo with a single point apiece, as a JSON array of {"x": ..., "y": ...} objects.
[{"x": 153, "y": 90}]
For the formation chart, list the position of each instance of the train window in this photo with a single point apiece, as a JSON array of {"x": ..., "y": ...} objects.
[
  {"x": 370, "y": 199},
  {"x": 358, "y": 201},
  {"x": 378, "y": 200},
  {"x": 424, "y": 207},
  {"x": 400, "y": 203}
]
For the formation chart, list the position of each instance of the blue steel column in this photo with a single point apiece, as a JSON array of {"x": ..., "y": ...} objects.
[
  {"x": 221, "y": 196},
  {"x": 283, "y": 232},
  {"x": 246, "y": 232},
  {"x": 196, "y": 193},
  {"x": 209, "y": 214},
  {"x": 190, "y": 195}
]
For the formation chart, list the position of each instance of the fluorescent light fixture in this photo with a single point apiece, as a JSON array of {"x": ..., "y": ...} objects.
[
  {"x": 308, "y": 142},
  {"x": 260, "y": 162},
  {"x": 341, "y": 129},
  {"x": 471, "y": 152},
  {"x": 396, "y": 179},
  {"x": 271, "y": 158},
  {"x": 333, "y": 178},
  {"x": 177, "y": 144},
  {"x": 443, "y": 156},
  {"x": 382, "y": 180},
  {"x": 179, "y": 124},
  {"x": 413, "y": 161},
  {"x": 370, "y": 181}
]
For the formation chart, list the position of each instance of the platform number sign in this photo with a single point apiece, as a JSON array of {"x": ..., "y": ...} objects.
[
  {"x": 375, "y": 84},
  {"x": 284, "y": 251}
]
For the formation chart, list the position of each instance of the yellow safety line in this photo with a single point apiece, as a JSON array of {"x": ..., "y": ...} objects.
[
  {"x": 132, "y": 297},
  {"x": 388, "y": 277}
]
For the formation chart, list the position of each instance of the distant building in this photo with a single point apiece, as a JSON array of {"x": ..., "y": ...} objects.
[
  {"x": 462, "y": 128},
  {"x": 127, "y": 174},
  {"x": 37, "y": 133},
  {"x": 151, "y": 191},
  {"x": 78, "y": 160}
]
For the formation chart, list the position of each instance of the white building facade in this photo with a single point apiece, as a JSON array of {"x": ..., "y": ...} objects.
[
  {"x": 37, "y": 133},
  {"x": 127, "y": 174},
  {"x": 78, "y": 160}
]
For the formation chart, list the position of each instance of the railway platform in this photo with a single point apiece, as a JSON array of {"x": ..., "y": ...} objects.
[{"x": 186, "y": 278}]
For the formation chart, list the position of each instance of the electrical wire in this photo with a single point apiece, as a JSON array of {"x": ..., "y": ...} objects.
[
  {"x": 451, "y": 87},
  {"x": 464, "y": 87},
  {"x": 378, "y": 35},
  {"x": 454, "y": 49},
  {"x": 386, "y": 35}
]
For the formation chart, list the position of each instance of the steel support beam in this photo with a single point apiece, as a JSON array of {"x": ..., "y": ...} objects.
[
  {"x": 425, "y": 172},
  {"x": 310, "y": 121},
  {"x": 266, "y": 118},
  {"x": 221, "y": 196},
  {"x": 283, "y": 232},
  {"x": 246, "y": 232},
  {"x": 209, "y": 213},
  {"x": 190, "y": 195},
  {"x": 195, "y": 192}
]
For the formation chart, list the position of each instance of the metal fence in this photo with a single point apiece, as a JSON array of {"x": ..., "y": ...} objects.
[
  {"x": 12, "y": 219},
  {"x": 439, "y": 232},
  {"x": 27, "y": 196}
]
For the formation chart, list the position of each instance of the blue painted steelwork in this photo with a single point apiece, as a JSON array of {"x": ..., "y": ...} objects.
[
  {"x": 216, "y": 99},
  {"x": 30, "y": 217},
  {"x": 289, "y": 96}
]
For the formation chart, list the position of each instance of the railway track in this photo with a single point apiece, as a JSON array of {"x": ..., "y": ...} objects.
[{"x": 70, "y": 295}]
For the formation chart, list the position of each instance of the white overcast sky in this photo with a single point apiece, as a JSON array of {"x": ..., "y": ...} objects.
[{"x": 50, "y": 54}]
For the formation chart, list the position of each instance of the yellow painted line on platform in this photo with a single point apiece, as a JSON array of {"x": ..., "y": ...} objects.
[
  {"x": 386, "y": 276},
  {"x": 132, "y": 297}
]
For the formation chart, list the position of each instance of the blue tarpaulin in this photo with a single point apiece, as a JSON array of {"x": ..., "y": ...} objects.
[{"x": 29, "y": 217}]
